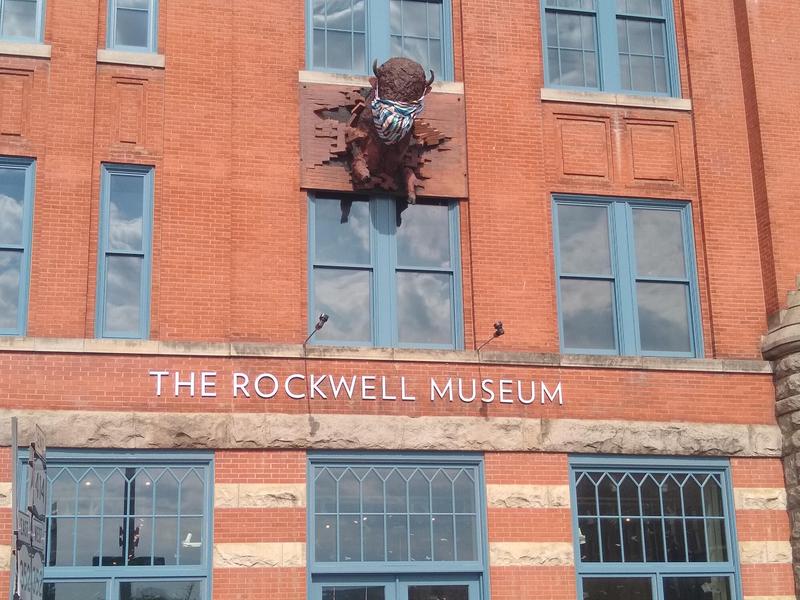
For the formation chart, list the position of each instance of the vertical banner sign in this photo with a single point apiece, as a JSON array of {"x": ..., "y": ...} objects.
[{"x": 30, "y": 527}]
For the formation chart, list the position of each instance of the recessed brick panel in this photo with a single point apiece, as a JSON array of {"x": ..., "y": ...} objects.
[
  {"x": 655, "y": 152},
  {"x": 14, "y": 102},
  {"x": 585, "y": 146}
]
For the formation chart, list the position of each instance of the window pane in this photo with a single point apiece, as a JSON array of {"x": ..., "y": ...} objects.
[
  {"x": 165, "y": 550},
  {"x": 325, "y": 492},
  {"x": 12, "y": 204},
  {"x": 373, "y": 538},
  {"x": 438, "y": 592},
  {"x": 349, "y": 538},
  {"x": 676, "y": 541},
  {"x": 415, "y": 18},
  {"x": 123, "y": 285},
  {"x": 60, "y": 542},
  {"x": 696, "y": 540},
  {"x": 443, "y": 542},
  {"x": 114, "y": 542},
  {"x": 654, "y": 540},
  {"x": 192, "y": 494},
  {"x": 397, "y": 537},
  {"x": 191, "y": 536},
  {"x": 423, "y": 238},
  {"x": 131, "y": 28},
  {"x": 642, "y": 74},
  {"x": 162, "y": 590},
  {"x": 717, "y": 542},
  {"x": 697, "y": 588},
  {"x": 353, "y": 593},
  {"x": 424, "y": 311},
  {"x": 342, "y": 232},
  {"x": 82, "y": 590},
  {"x": 345, "y": 296},
  {"x": 583, "y": 242},
  {"x": 664, "y": 317},
  {"x": 464, "y": 489},
  {"x": 325, "y": 538},
  {"x": 610, "y": 540},
  {"x": 589, "y": 540},
  {"x": 19, "y": 18},
  {"x": 632, "y": 540},
  {"x": 10, "y": 266},
  {"x": 617, "y": 588},
  {"x": 87, "y": 548},
  {"x": 466, "y": 538},
  {"x": 587, "y": 314},
  {"x": 340, "y": 50},
  {"x": 126, "y": 206},
  {"x": 639, "y": 41},
  {"x": 659, "y": 243},
  {"x": 420, "y": 537},
  {"x": 140, "y": 4},
  {"x": 340, "y": 15},
  {"x": 141, "y": 553}
]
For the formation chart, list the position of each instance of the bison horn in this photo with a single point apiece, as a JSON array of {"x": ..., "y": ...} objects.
[
  {"x": 430, "y": 81},
  {"x": 375, "y": 67}
]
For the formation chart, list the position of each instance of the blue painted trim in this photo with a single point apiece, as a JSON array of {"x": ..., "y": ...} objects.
[
  {"x": 152, "y": 29},
  {"x": 624, "y": 277},
  {"x": 38, "y": 24},
  {"x": 147, "y": 172},
  {"x": 607, "y": 46},
  {"x": 378, "y": 38},
  {"x": 28, "y": 165},
  {"x": 383, "y": 274},
  {"x": 656, "y": 571}
]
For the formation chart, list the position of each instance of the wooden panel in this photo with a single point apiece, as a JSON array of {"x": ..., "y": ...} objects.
[
  {"x": 585, "y": 146},
  {"x": 655, "y": 151},
  {"x": 322, "y": 119},
  {"x": 14, "y": 100},
  {"x": 130, "y": 105}
]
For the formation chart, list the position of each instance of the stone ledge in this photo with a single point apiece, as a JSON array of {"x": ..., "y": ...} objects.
[
  {"x": 441, "y": 87},
  {"x": 759, "y": 498},
  {"x": 259, "y": 495},
  {"x": 25, "y": 49},
  {"x": 157, "y": 430},
  {"x": 767, "y": 552},
  {"x": 609, "y": 99},
  {"x": 527, "y": 496},
  {"x": 136, "y": 59},
  {"x": 529, "y": 554},
  {"x": 259, "y": 555},
  {"x": 486, "y": 357}
]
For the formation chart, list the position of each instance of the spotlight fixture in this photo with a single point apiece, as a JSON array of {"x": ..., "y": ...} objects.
[
  {"x": 498, "y": 331},
  {"x": 323, "y": 318}
]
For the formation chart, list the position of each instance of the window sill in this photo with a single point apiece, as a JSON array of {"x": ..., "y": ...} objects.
[
  {"x": 137, "y": 59},
  {"x": 25, "y": 49},
  {"x": 609, "y": 99},
  {"x": 441, "y": 87}
]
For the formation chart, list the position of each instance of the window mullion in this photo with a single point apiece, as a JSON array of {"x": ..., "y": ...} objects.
[
  {"x": 608, "y": 46},
  {"x": 626, "y": 285}
]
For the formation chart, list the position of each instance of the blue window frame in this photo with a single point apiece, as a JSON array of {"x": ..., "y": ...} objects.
[
  {"x": 123, "y": 526},
  {"x": 132, "y": 25},
  {"x": 22, "y": 20},
  {"x": 385, "y": 272},
  {"x": 653, "y": 529},
  {"x": 626, "y": 277},
  {"x": 124, "y": 257},
  {"x": 346, "y": 35},
  {"x": 16, "y": 216},
  {"x": 613, "y": 45},
  {"x": 396, "y": 526}
]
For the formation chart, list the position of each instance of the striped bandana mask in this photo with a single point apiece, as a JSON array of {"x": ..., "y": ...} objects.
[{"x": 393, "y": 120}]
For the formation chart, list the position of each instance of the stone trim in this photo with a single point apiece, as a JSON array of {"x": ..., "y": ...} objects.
[
  {"x": 5, "y": 557},
  {"x": 486, "y": 357},
  {"x": 259, "y": 555},
  {"x": 25, "y": 49},
  {"x": 770, "y": 597},
  {"x": 259, "y": 495},
  {"x": 759, "y": 498},
  {"x": 531, "y": 554},
  {"x": 136, "y": 59},
  {"x": 94, "y": 429},
  {"x": 5, "y": 494},
  {"x": 629, "y": 100},
  {"x": 770, "y": 552},
  {"x": 527, "y": 496},
  {"x": 441, "y": 87}
]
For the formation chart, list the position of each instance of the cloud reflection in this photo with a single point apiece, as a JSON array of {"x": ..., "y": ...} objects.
[
  {"x": 423, "y": 239},
  {"x": 10, "y": 263},
  {"x": 423, "y": 305},
  {"x": 345, "y": 296},
  {"x": 123, "y": 285},
  {"x": 586, "y": 309},
  {"x": 11, "y": 211},
  {"x": 663, "y": 317}
]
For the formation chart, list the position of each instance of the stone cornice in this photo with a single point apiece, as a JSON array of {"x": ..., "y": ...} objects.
[{"x": 294, "y": 351}]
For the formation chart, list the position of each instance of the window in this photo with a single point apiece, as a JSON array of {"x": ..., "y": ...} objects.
[
  {"x": 611, "y": 45},
  {"x": 128, "y": 526},
  {"x": 626, "y": 282},
  {"x": 653, "y": 529},
  {"x": 346, "y": 35},
  {"x": 16, "y": 208},
  {"x": 21, "y": 20},
  {"x": 123, "y": 274},
  {"x": 396, "y": 527},
  {"x": 132, "y": 25},
  {"x": 385, "y": 272}
]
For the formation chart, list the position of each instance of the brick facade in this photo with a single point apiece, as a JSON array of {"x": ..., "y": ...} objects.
[{"x": 220, "y": 123}]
